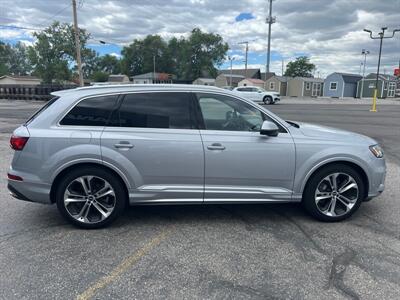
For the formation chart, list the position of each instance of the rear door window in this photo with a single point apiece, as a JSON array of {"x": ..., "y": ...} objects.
[
  {"x": 155, "y": 110},
  {"x": 94, "y": 111}
]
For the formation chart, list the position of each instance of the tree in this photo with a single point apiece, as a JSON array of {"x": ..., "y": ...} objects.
[
  {"x": 4, "y": 58},
  {"x": 205, "y": 50},
  {"x": 54, "y": 52},
  {"x": 14, "y": 59},
  {"x": 301, "y": 67},
  {"x": 139, "y": 56},
  {"x": 188, "y": 58},
  {"x": 109, "y": 64},
  {"x": 99, "y": 76}
]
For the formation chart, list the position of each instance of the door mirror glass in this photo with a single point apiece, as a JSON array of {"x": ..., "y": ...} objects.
[{"x": 269, "y": 128}]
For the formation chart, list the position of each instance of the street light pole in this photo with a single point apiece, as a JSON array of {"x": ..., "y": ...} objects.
[
  {"x": 381, "y": 36},
  {"x": 231, "y": 59},
  {"x": 365, "y": 53},
  {"x": 269, "y": 20},
  {"x": 247, "y": 51},
  {"x": 77, "y": 43}
]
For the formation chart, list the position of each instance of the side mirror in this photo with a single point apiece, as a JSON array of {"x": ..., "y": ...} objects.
[
  {"x": 260, "y": 92},
  {"x": 269, "y": 128}
]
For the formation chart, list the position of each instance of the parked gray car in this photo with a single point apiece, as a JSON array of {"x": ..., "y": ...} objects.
[{"x": 94, "y": 150}]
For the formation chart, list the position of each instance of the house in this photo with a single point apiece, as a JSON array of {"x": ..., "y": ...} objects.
[
  {"x": 249, "y": 73},
  {"x": 149, "y": 78},
  {"x": 19, "y": 80},
  {"x": 266, "y": 76},
  {"x": 305, "y": 87},
  {"x": 277, "y": 84},
  {"x": 340, "y": 85},
  {"x": 386, "y": 86},
  {"x": 204, "y": 81},
  {"x": 251, "y": 82},
  {"x": 118, "y": 79},
  {"x": 223, "y": 80}
]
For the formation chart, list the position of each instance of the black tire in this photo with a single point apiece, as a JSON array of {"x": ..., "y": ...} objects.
[
  {"x": 309, "y": 197},
  {"x": 267, "y": 100},
  {"x": 119, "y": 200}
]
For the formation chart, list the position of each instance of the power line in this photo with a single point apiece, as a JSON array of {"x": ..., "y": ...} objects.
[
  {"x": 56, "y": 14},
  {"x": 18, "y": 27}
]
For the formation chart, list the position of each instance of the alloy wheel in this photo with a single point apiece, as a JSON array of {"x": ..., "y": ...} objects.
[
  {"x": 89, "y": 199},
  {"x": 336, "y": 194}
]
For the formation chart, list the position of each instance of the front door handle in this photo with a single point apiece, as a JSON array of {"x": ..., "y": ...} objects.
[
  {"x": 123, "y": 145},
  {"x": 216, "y": 146}
]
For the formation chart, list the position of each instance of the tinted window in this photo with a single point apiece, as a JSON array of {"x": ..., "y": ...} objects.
[
  {"x": 154, "y": 110},
  {"x": 91, "y": 112}
]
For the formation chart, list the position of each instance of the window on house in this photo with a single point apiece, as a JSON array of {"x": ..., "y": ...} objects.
[
  {"x": 386, "y": 85},
  {"x": 333, "y": 86},
  {"x": 308, "y": 86},
  {"x": 272, "y": 85}
]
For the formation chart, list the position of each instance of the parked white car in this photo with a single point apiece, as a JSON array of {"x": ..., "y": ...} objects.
[{"x": 257, "y": 94}]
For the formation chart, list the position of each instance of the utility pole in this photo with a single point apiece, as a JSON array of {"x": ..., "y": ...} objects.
[
  {"x": 283, "y": 63},
  {"x": 269, "y": 20},
  {"x": 365, "y": 53},
  {"x": 381, "y": 36},
  {"x": 247, "y": 51},
  {"x": 77, "y": 43}
]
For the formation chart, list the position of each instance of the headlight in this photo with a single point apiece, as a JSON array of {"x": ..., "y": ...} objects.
[{"x": 376, "y": 150}]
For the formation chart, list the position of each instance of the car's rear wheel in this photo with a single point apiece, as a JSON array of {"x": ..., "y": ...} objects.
[
  {"x": 334, "y": 193},
  {"x": 90, "y": 197},
  {"x": 267, "y": 100}
]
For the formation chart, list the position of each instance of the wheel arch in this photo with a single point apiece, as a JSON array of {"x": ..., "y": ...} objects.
[
  {"x": 351, "y": 164},
  {"x": 80, "y": 165}
]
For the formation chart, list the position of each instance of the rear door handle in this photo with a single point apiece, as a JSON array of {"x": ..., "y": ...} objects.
[
  {"x": 216, "y": 146},
  {"x": 123, "y": 144}
]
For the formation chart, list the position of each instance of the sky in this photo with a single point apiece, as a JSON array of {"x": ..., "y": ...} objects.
[{"x": 330, "y": 32}]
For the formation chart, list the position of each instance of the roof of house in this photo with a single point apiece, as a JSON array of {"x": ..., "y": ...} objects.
[
  {"x": 251, "y": 73},
  {"x": 281, "y": 78},
  {"x": 308, "y": 79},
  {"x": 117, "y": 78},
  {"x": 348, "y": 77},
  {"x": 266, "y": 76},
  {"x": 152, "y": 75},
  {"x": 384, "y": 77},
  {"x": 254, "y": 80},
  {"x": 18, "y": 77},
  {"x": 208, "y": 80}
]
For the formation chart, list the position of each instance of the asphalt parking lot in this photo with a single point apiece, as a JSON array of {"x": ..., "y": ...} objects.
[{"x": 218, "y": 251}]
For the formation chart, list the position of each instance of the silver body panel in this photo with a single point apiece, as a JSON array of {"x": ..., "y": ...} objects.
[{"x": 177, "y": 165}]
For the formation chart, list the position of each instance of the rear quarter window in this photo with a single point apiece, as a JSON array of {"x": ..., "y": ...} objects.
[{"x": 42, "y": 109}]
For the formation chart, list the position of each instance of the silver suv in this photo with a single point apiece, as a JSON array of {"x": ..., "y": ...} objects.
[{"x": 92, "y": 151}]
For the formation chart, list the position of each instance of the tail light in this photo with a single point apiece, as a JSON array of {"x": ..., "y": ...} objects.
[
  {"x": 18, "y": 142},
  {"x": 14, "y": 177}
]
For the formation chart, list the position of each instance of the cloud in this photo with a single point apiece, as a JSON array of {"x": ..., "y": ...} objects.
[{"x": 330, "y": 32}]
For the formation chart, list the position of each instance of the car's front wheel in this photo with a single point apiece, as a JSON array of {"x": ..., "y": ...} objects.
[
  {"x": 334, "y": 193},
  {"x": 90, "y": 197}
]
